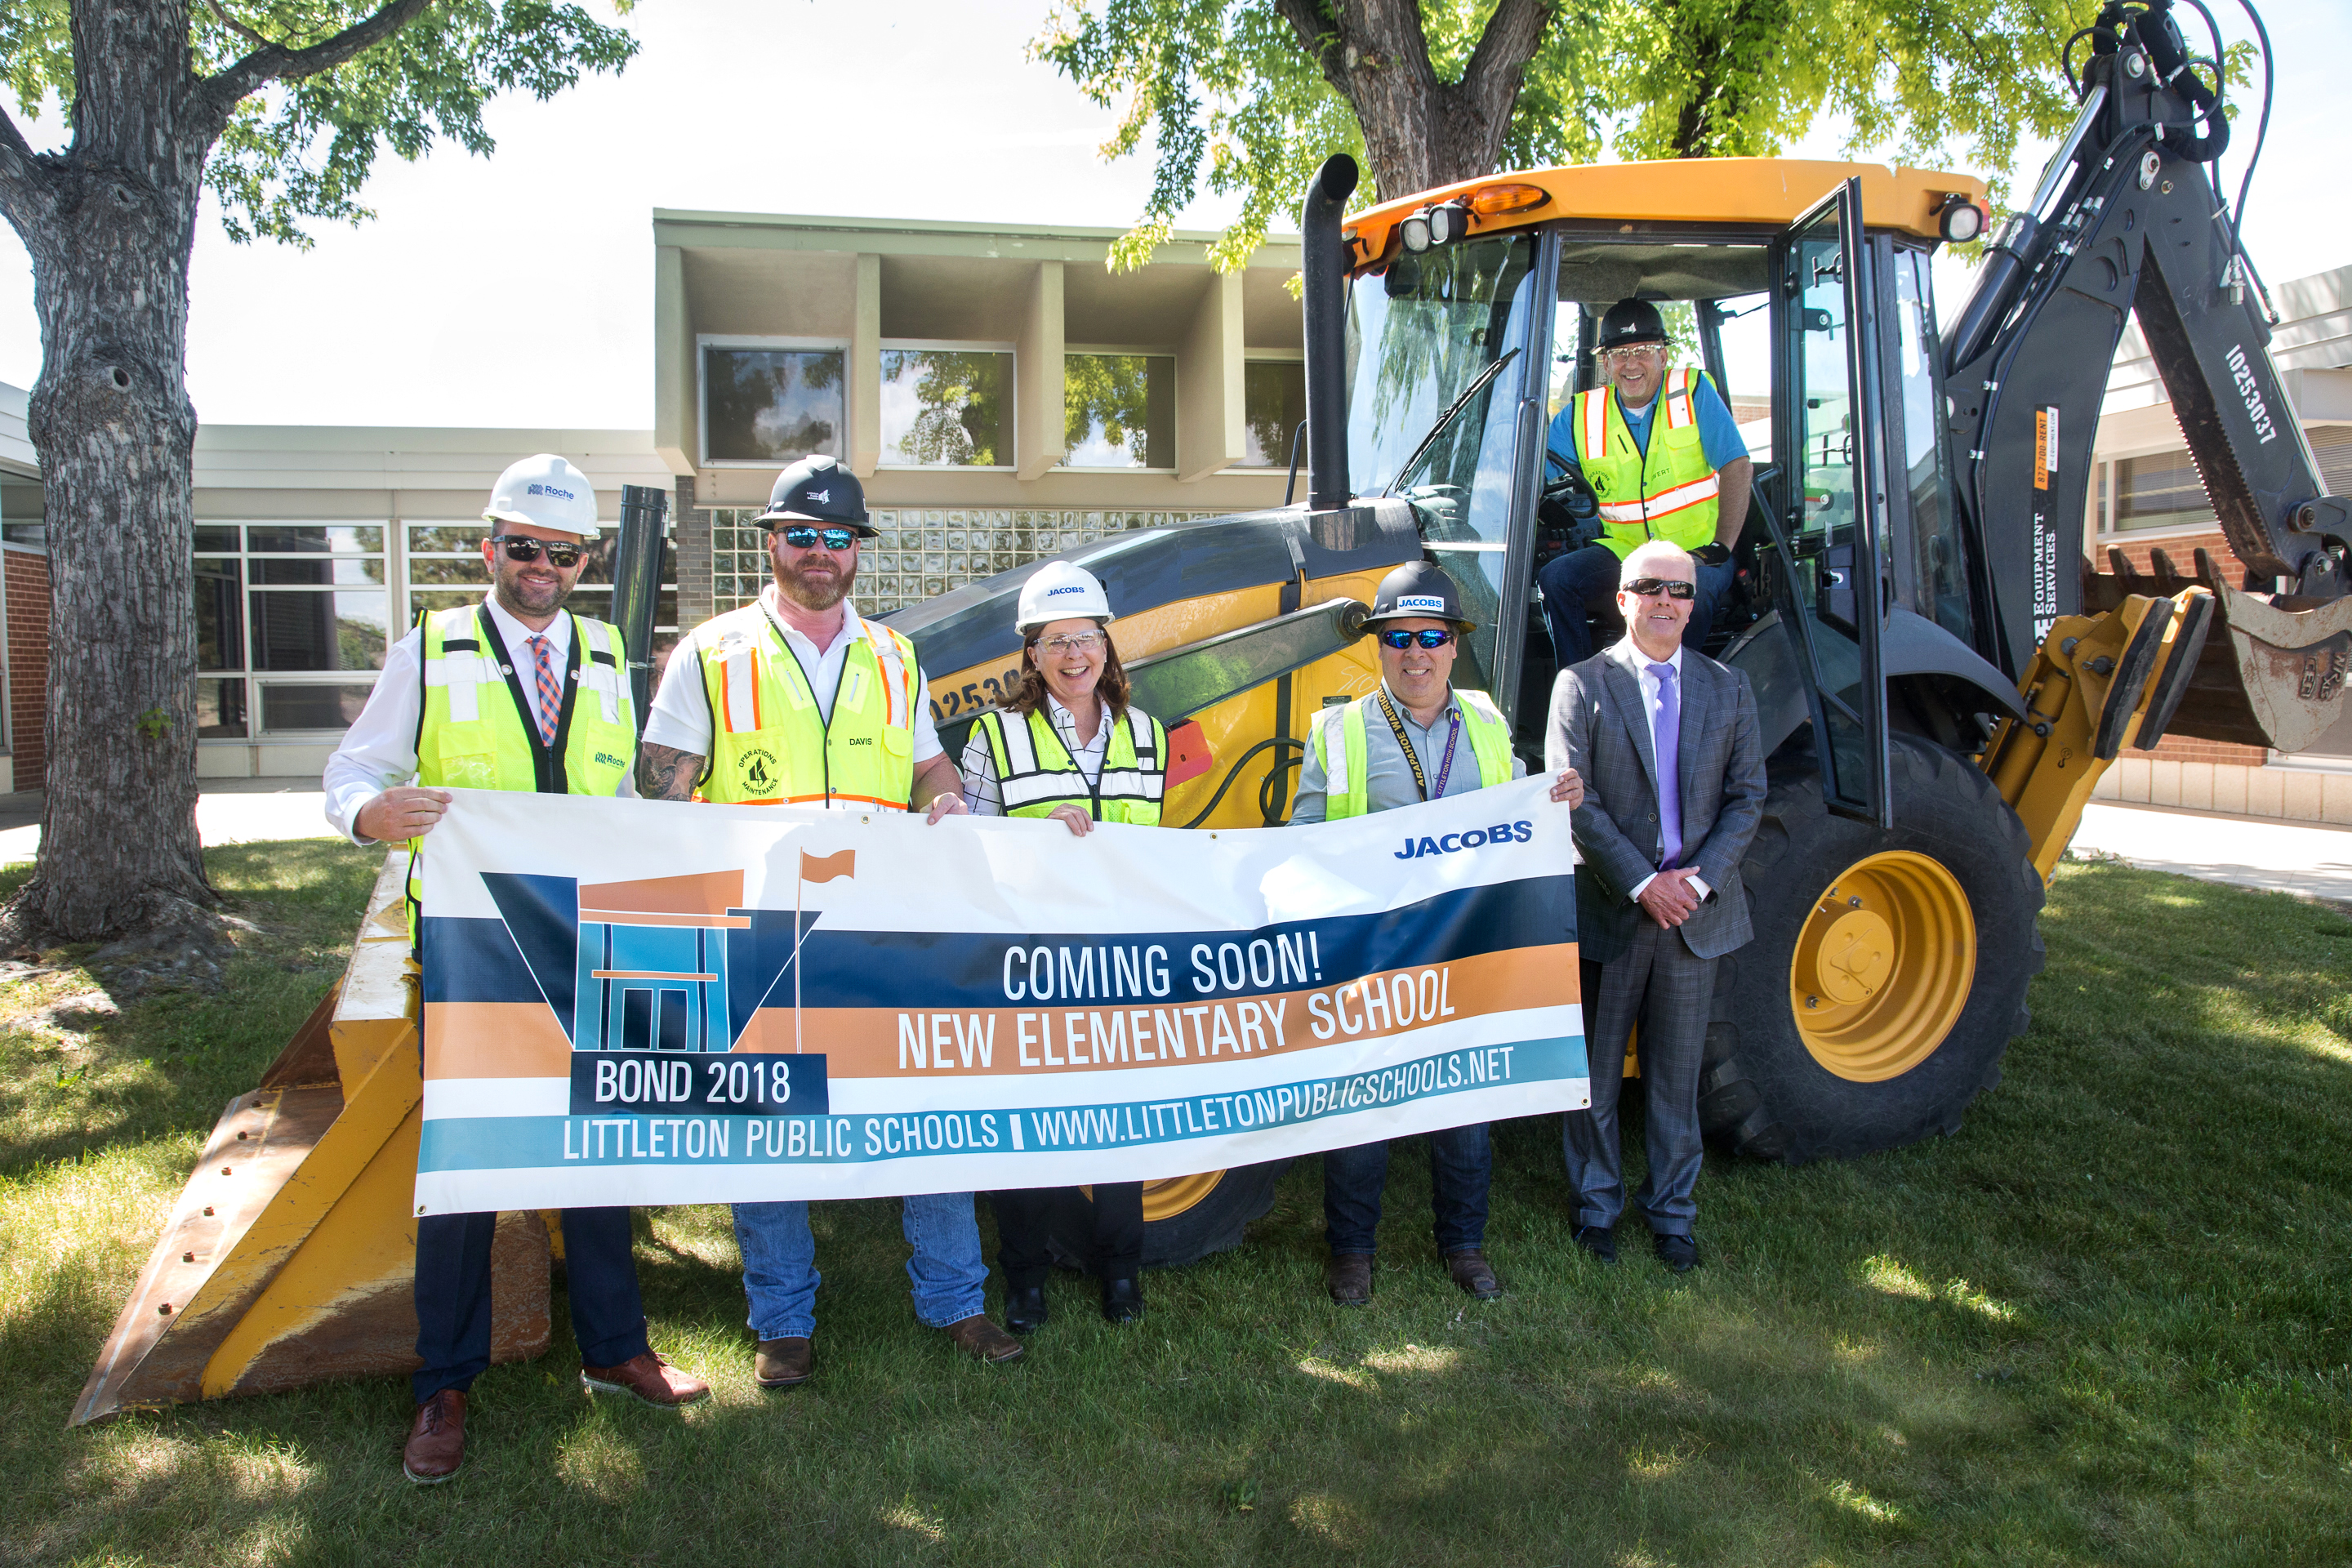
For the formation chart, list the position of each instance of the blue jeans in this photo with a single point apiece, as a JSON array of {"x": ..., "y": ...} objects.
[
  {"x": 1582, "y": 582},
  {"x": 1461, "y": 1168},
  {"x": 780, "y": 1263}
]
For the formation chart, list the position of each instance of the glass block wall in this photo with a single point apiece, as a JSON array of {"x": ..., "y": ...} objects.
[{"x": 921, "y": 553}]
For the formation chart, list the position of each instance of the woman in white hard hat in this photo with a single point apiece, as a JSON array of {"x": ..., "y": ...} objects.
[{"x": 1071, "y": 747}]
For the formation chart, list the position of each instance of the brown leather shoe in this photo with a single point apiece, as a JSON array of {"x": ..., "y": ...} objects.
[
  {"x": 649, "y": 1378},
  {"x": 979, "y": 1336},
  {"x": 784, "y": 1363},
  {"x": 436, "y": 1440},
  {"x": 1472, "y": 1272},
  {"x": 1348, "y": 1277}
]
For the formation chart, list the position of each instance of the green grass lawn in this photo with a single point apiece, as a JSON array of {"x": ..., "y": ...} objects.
[{"x": 2108, "y": 1323}]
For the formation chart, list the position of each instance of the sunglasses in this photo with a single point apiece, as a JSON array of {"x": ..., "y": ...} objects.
[
  {"x": 1428, "y": 636},
  {"x": 801, "y": 538},
  {"x": 1650, "y": 587},
  {"x": 526, "y": 549}
]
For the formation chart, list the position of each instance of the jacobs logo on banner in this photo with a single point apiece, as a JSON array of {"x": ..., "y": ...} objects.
[{"x": 632, "y": 1003}]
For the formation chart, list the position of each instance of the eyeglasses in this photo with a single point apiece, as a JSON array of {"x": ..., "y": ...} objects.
[
  {"x": 526, "y": 549},
  {"x": 801, "y": 538},
  {"x": 1632, "y": 351},
  {"x": 1650, "y": 588},
  {"x": 1070, "y": 642},
  {"x": 1428, "y": 636}
]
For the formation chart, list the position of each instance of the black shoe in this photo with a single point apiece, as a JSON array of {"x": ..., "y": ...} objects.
[
  {"x": 1024, "y": 1308},
  {"x": 1600, "y": 1241},
  {"x": 1679, "y": 1253},
  {"x": 1122, "y": 1301}
]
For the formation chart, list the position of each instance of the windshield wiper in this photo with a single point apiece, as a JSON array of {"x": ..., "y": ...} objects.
[{"x": 1476, "y": 385}]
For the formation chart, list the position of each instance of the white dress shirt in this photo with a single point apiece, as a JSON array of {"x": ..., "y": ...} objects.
[
  {"x": 680, "y": 719},
  {"x": 1645, "y": 671},
  {"x": 983, "y": 793},
  {"x": 379, "y": 750}
]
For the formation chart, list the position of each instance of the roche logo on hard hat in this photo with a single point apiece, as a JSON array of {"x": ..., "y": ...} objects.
[
  {"x": 548, "y": 490},
  {"x": 1427, "y": 603}
]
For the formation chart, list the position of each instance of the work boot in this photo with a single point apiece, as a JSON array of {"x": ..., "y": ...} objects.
[
  {"x": 436, "y": 1440},
  {"x": 784, "y": 1363},
  {"x": 1024, "y": 1308},
  {"x": 1600, "y": 1241},
  {"x": 1677, "y": 1252},
  {"x": 979, "y": 1337},
  {"x": 649, "y": 1378},
  {"x": 1470, "y": 1270},
  {"x": 1122, "y": 1301},
  {"x": 1348, "y": 1277}
]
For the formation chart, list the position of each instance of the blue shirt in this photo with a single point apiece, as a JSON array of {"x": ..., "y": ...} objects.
[{"x": 1719, "y": 434}]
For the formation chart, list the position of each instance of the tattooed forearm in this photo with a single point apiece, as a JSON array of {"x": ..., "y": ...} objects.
[{"x": 665, "y": 772}]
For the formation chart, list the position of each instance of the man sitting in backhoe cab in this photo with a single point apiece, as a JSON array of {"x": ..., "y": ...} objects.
[{"x": 1684, "y": 479}]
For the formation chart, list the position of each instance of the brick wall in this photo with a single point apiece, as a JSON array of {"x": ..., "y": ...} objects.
[
  {"x": 27, "y": 586},
  {"x": 2181, "y": 548},
  {"x": 689, "y": 537}
]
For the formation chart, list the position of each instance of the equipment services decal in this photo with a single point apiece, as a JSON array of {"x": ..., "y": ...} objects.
[{"x": 631, "y": 1003}]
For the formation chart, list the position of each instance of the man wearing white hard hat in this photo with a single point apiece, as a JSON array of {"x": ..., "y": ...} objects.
[
  {"x": 1068, "y": 746},
  {"x": 797, "y": 699},
  {"x": 525, "y": 696}
]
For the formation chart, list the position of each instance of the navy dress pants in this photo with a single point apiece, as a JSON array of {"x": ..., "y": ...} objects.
[
  {"x": 453, "y": 1294},
  {"x": 1460, "y": 1168},
  {"x": 1024, "y": 1217}
]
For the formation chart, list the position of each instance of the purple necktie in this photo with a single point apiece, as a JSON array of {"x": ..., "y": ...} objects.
[{"x": 1667, "y": 736}]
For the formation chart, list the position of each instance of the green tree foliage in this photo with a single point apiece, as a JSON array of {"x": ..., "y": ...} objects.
[{"x": 1245, "y": 98}]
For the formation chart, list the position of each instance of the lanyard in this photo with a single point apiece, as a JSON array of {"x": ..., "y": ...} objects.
[{"x": 1445, "y": 764}]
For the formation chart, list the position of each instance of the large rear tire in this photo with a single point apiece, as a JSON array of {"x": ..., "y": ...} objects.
[
  {"x": 1185, "y": 1218},
  {"x": 1889, "y": 970}
]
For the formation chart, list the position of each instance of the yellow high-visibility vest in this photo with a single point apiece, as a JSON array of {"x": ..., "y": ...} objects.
[
  {"x": 770, "y": 743},
  {"x": 1036, "y": 773},
  {"x": 1346, "y": 785},
  {"x": 1671, "y": 493}
]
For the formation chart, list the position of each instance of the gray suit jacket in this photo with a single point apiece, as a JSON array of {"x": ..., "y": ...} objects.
[{"x": 1600, "y": 729}]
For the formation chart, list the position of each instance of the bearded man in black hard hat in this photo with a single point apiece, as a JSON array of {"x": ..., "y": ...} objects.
[
  {"x": 1682, "y": 477},
  {"x": 1417, "y": 737}
]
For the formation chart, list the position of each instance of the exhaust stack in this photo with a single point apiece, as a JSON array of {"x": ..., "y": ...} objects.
[{"x": 1323, "y": 263}]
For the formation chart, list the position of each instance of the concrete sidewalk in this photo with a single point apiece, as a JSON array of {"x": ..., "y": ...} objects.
[
  {"x": 228, "y": 811},
  {"x": 2308, "y": 858}
]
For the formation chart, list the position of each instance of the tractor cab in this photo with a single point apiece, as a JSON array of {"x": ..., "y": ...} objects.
[{"x": 1800, "y": 290}]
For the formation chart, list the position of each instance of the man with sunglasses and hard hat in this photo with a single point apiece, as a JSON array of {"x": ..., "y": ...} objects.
[
  {"x": 514, "y": 693},
  {"x": 1667, "y": 740},
  {"x": 1416, "y": 738},
  {"x": 797, "y": 699},
  {"x": 1666, "y": 461}
]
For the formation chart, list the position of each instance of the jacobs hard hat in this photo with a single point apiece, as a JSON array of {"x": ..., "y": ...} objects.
[
  {"x": 820, "y": 490},
  {"x": 1417, "y": 591},
  {"x": 544, "y": 491},
  {"x": 1058, "y": 591},
  {"x": 1631, "y": 321}
]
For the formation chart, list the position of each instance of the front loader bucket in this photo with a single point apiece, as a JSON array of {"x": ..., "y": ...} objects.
[{"x": 289, "y": 1256}]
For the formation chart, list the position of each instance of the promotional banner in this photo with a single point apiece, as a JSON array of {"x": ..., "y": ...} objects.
[{"x": 632, "y": 1001}]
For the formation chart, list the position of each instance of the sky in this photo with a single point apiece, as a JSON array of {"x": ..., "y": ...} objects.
[{"x": 517, "y": 290}]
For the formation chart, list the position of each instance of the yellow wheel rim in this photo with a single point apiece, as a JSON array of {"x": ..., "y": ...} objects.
[
  {"x": 1883, "y": 966},
  {"x": 1166, "y": 1200}
]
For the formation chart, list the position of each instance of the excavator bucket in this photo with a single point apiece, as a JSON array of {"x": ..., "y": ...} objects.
[{"x": 288, "y": 1259}]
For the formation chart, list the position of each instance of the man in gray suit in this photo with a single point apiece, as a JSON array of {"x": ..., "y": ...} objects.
[{"x": 1658, "y": 898}]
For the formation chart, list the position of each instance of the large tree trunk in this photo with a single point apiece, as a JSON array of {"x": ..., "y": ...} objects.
[
  {"x": 111, "y": 421},
  {"x": 1420, "y": 132}
]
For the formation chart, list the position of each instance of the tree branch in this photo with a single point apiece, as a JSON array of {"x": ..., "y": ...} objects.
[
  {"x": 1504, "y": 48},
  {"x": 25, "y": 189},
  {"x": 1319, "y": 39},
  {"x": 220, "y": 15},
  {"x": 275, "y": 62}
]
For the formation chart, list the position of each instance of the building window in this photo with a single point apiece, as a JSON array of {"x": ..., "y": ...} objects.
[
  {"x": 1274, "y": 402},
  {"x": 293, "y": 621},
  {"x": 22, "y": 509},
  {"x": 770, "y": 402},
  {"x": 2160, "y": 492},
  {"x": 1120, "y": 410},
  {"x": 946, "y": 406}
]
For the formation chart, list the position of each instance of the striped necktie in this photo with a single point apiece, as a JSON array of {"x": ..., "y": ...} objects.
[{"x": 550, "y": 695}]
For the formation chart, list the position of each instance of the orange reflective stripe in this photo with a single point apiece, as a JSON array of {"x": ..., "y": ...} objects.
[
  {"x": 1594, "y": 439},
  {"x": 1679, "y": 413}
]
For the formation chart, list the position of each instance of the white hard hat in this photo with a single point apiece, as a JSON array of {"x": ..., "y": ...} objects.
[
  {"x": 1058, "y": 591},
  {"x": 544, "y": 491}
]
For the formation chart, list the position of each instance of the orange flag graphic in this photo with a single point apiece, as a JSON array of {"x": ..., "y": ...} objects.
[{"x": 826, "y": 867}]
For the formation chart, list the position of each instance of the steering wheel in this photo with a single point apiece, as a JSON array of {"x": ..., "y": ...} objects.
[{"x": 1569, "y": 493}]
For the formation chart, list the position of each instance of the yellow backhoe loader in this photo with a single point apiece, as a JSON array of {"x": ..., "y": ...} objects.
[{"x": 1940, "y": 676}]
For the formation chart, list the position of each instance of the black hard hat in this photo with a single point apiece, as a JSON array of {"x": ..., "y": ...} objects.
[
  {"x": 818, "y": 491},
  {"x": 1417, "y": 591},
  {"x": 1631, "y": 321}
]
